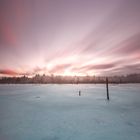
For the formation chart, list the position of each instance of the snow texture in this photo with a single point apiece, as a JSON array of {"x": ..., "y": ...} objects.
[{"x": 57, "y": 112}]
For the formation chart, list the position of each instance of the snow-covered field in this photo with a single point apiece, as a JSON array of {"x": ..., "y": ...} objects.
[{"x": 57, "y": 112}]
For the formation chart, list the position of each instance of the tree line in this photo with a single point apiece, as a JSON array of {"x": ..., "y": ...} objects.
[{"x": 57, "y": 79}]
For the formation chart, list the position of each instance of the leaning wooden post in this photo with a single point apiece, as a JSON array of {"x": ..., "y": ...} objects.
[{"x": 107, "y": 90}]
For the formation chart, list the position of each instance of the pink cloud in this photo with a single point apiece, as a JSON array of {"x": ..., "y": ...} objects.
[
  {"x": 60, "y": 68},
  {"x": 9, "y": 36},
  {"x": 9, "y": 72}
]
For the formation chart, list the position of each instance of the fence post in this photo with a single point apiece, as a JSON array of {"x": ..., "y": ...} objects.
[
  {"x": 107, "y": 90},
  {"x": 79, "y": 93}
]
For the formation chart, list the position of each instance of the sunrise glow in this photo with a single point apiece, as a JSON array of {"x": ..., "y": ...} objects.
[{"x": 87, "y": 37}]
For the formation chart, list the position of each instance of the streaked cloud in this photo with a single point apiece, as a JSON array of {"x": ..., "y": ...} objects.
[
  {"x": 69, "y": 37},
  {"x": 8, "y": 72}
]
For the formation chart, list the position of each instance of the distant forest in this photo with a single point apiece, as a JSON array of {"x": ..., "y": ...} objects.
[{"x": 53, "y": 79}]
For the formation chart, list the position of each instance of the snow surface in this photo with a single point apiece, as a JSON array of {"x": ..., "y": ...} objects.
[{"x": 57, "y": 112}]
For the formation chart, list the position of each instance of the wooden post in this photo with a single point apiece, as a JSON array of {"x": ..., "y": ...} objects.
[
  {"x": 79, "y": 93},
  {"x": 107, "y": 90}
]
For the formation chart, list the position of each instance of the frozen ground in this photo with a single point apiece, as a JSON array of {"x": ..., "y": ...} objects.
[{"x": 56, "y": 112}]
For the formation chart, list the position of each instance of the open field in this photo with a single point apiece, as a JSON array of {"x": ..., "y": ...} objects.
[{"x": 57, "y": 112}]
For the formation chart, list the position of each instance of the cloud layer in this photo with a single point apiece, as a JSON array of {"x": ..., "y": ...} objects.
[{"x": 71, "y": 37}]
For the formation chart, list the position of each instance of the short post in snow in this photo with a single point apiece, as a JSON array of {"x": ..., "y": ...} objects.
[
  {"x": 79, "y": 93},
  {"x": 107, "y": 90}
]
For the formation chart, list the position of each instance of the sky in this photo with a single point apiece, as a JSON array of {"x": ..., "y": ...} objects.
[{"x": 69, "y": 37}]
